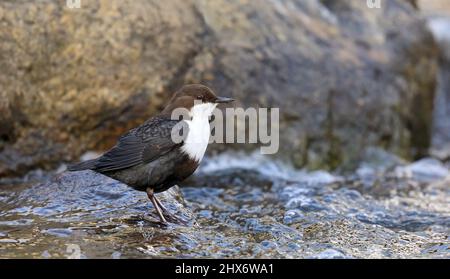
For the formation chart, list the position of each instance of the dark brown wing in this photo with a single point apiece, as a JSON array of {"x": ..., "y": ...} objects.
[{"x": 140, "y": 145}]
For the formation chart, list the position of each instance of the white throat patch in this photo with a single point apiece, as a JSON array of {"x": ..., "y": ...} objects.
[{"x": 198, "y": 136}]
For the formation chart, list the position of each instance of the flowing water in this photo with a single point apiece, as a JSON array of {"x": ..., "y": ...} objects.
[{"x": 236, "y": 205}]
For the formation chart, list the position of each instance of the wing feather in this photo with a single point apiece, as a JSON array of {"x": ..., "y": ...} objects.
[{"x": 141, "y": 145}]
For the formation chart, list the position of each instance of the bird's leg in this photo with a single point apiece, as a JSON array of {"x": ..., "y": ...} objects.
[
  {"x": 168, "y": 214},
  {"x": 160, "y": 214},
  {"x": 161, "y": 206},
  {"x": 156, "y": 203}
]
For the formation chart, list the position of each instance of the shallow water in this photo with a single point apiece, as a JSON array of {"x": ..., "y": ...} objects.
[{"x": 235, "y": 206}]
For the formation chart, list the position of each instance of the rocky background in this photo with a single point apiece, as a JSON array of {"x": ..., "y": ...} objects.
[
  {"x": 364, "y": 165},
  {"x": 344, "y": 76},
  {"x": 438, "y": 17}
]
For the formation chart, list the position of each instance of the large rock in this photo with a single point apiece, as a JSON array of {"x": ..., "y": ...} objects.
[
  {"x": 434, "y": 7},
  {"x": 437, "y": 13},
  {"x": 344, "y": 76}
]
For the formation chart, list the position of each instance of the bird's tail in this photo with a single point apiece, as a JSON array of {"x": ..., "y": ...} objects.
[{"x": 86, "y": 165}]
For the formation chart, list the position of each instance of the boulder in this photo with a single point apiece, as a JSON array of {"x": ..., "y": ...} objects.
[
  {"x": 437, "y": 13},
  {"x": 343, "y": 75}
]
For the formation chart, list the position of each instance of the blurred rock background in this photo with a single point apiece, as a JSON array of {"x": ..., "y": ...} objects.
[
  {"x": 364, "y": 102},
  {"x": 437, "y": 13},
  {"x": 345, "y": 77}
]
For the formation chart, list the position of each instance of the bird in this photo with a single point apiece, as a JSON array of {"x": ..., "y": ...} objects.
[{"x": 147, "y": 158}]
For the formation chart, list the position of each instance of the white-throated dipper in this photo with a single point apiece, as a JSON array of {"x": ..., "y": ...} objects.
[{"x": 147, "y": 158}]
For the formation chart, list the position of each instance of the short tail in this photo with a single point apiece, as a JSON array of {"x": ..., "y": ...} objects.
[{"x": 87, "y": 165}]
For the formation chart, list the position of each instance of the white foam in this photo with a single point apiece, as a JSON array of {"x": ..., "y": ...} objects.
[{"x": 266, "y": 165}]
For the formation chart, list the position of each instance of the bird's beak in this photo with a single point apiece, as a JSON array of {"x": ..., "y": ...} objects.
[{"x": 220, "y": 100}]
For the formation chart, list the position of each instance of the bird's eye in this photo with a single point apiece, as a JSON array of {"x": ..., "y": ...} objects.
[{"x": 199, "y": 97}]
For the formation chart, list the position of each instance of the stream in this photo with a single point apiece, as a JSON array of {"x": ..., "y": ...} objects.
[{"x": 235, "y": 206}]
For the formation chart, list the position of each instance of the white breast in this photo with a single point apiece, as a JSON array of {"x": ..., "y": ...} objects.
[{"x": 197, "y": 138}]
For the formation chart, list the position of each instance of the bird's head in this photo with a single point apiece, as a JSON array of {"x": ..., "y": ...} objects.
[{"x": 195, "y": 98}]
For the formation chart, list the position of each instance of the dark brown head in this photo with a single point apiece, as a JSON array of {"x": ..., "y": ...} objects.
[{"x": 194, "y": 94}]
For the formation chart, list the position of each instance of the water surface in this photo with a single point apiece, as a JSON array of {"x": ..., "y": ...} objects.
[{"x": 238, "y": 206}]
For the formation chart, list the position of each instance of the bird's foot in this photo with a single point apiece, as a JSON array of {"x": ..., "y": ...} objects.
[
  {"x": 154, "y": 222},
  {"x": 170, "y": 216},
  {"x": 163, "y": 213},
  {"x": 168, "y": 219},
  {"x": 175, "y": 219}
]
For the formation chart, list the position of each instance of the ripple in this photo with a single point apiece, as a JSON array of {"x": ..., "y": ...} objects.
[{"x": 241, "y": 207}]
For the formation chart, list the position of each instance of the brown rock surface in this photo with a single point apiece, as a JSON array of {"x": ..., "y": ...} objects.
[{"x": 344, "y": 76}]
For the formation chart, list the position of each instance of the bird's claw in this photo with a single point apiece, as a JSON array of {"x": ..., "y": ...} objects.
[{"x": 175, "y": 219}]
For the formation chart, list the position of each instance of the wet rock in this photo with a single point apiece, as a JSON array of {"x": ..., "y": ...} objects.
[
  {"x": 293, "y": 216},
  {"x": 236, "y": 216},
  {"x": 304, "y": 203},
  {"x": 330, "y": 254},
  {"x": 344, "y": 76},
  {"x": 72, "y": 206}
]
